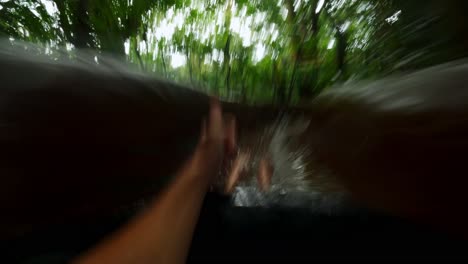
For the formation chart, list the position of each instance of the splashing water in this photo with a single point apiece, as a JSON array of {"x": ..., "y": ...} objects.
[
  {"x": 354, "y": 122},
  {"x": 294, "y": 182}
]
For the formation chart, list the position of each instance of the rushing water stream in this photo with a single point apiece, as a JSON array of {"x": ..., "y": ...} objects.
[
  {"x": 73, "y": 105},
  {"x": 377, "y": 127}
]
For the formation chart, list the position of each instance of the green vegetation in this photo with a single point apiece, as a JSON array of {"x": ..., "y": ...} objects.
[{"x": 262, "y": 51}]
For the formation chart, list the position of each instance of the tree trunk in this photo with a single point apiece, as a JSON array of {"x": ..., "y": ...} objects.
[
  {"x": 274, "y": 79},
  {"x": 308, "y": 86},
  {"x": 63, "y": 20},
  {"x": 163, "y": 62},
  {"x": 227, "y": 63},
  {"x": 137, "y": 53},
  {"x": 82, "y": 29},
  {"x": 243, "y": 89},
  {"x": 189, "y": 65},
  {"x": 341, "y": 52},
  {"x": 227, "y": 56},
  {"x": 216, "y": 88},
  {"x": 293, "y": 75},
  {"x": 200, "y": 71}
]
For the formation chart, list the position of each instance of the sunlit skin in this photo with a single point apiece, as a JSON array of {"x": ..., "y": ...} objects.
[
  {"x": 265, "y": 172},
  {"x": 235, "y": 173},
  {"x": 239, "y": 165},
  {"x": 162, "y": 234}
]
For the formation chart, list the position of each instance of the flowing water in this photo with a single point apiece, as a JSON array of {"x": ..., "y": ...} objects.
[
  {"x": 379, "y": 120},
  {"x": 423, "y": 113},
  {"x": 72, "y": 113}
]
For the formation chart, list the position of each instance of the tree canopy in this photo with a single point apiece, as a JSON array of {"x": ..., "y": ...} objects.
[{"x": 257, "y": 51}]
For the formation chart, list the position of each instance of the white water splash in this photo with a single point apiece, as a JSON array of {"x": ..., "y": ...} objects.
[{"x": 292, "y": 183}]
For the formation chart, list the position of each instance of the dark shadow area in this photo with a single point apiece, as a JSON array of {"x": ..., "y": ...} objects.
[{"x": 227, "y": 233}]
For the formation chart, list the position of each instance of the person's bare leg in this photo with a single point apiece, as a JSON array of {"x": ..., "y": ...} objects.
[
  {"x": 265, "y": 172},
  {"x": 236, "y": 171}
]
